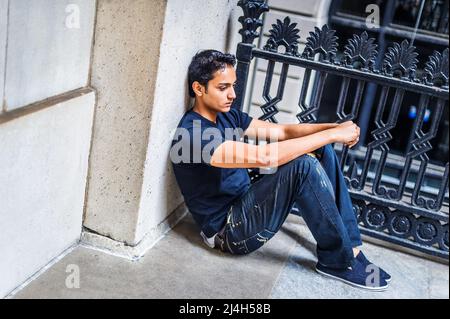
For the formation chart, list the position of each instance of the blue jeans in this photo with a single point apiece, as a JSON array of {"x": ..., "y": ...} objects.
[{"x": 317, "y": 187}]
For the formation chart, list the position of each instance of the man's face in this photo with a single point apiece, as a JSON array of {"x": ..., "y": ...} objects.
[{"x": 220, "y": 94}]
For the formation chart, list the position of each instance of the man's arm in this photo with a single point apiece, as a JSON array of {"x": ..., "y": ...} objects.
[
  {"x": 299, "y": 130},
  {"x": 282, "y": 132},
  {"x": 232, "y": 154}
]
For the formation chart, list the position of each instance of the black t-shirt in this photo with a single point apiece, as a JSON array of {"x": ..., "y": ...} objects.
[{"x": 208, "y": 191}]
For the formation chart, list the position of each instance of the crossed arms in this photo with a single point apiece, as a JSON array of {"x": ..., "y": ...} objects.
[{"x": 291, "y": 141}]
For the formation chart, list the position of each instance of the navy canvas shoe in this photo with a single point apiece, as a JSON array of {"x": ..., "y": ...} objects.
[
  {"x": 362, "y": 259},
  {"x": 355, "y": 276}
]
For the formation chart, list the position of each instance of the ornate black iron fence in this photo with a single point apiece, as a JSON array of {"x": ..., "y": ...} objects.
[{"x": 401, "y": 199}]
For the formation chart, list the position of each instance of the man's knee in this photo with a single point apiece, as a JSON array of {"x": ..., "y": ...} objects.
[
  {"x": 328, "y": 150},
  {"x": 305, "y": 160},
  {"x": 308, "y": 165}
]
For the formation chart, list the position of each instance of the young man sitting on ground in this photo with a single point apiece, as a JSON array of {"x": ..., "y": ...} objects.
[{"x": 238, "y": 217}]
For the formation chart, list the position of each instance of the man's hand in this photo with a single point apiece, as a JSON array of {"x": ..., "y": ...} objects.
[
  {"x": 346, "y": 133},
  {"x": 354, "y": 142}
]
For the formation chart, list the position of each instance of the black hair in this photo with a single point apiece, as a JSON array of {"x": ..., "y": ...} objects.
[{"x": 204, "y": 64}]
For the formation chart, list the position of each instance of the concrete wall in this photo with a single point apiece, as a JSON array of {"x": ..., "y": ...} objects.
[
  {"x": 142, "y": 94},
  {"x": 124, "y": 71},
  {"x": 3, "y": 24},
  {"x": 46, "y": 117},
  {"x": 43, "y": 169},
  {"x": 187, "y": 29},
  {"x": 56, "y": 56},
  {"x": 307, "y": 14}
]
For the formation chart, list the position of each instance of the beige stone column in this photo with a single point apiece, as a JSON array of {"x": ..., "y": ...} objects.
[
  {"x": 124, "y": 72},
  {"x": 141, "y": 55}
]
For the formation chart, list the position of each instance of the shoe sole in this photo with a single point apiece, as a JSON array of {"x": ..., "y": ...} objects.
[{"x": 375, "y": 289}]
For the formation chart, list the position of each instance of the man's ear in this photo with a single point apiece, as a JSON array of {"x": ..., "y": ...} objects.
[{"x": 199, "y": 89}]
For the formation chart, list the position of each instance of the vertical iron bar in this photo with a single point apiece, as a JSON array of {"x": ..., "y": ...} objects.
[
  {"x": 244, "y": 58},
  {"x": 384, "y": 132}
]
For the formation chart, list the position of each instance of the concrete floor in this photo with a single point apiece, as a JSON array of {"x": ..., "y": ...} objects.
[{"x": 181, "y": 266}]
